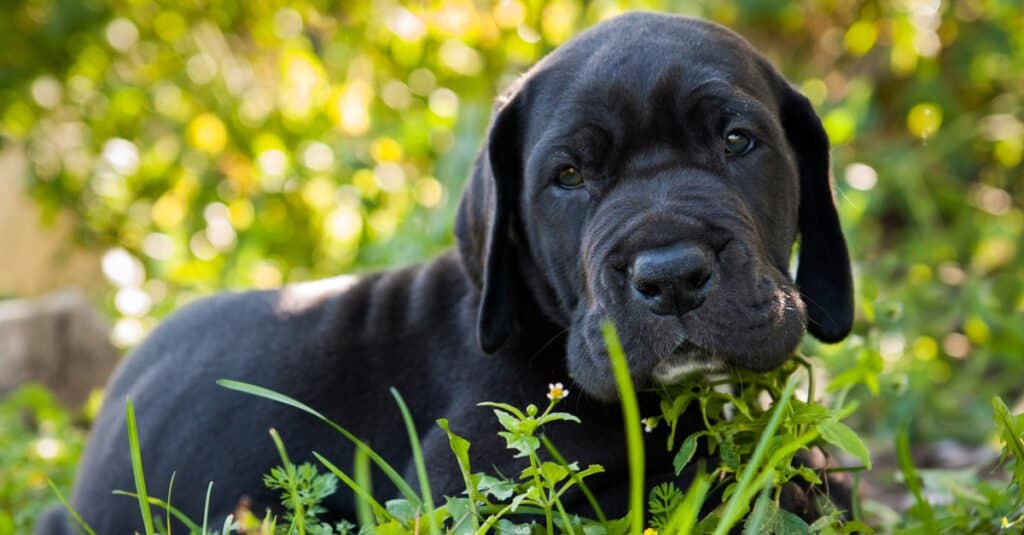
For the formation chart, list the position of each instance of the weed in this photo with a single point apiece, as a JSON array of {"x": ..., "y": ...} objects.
[{"x": 749, "y": 448}]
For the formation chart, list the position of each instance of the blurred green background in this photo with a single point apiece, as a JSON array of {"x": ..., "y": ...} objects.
[{"x": 204, "y": 145}]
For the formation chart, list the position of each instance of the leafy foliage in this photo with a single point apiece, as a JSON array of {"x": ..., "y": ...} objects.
[
  {"x": 39, "y": 440},
  {"x": 757, "y": 468},
  {"x": 310, "y": 488}
]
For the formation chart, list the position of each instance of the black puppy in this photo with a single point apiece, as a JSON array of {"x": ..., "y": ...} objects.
[{"x": 655, "y": 170}]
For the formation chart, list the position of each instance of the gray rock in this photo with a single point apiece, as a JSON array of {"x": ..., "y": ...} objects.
[{"x": 58, "y": 340}]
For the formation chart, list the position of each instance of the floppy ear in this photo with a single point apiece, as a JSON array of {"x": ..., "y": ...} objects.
[
  {"x": 484, "y": 224},
  {"x": 823, "y": 275}
]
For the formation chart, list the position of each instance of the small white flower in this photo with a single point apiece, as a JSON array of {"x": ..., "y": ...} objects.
[
  {"x": 556, "y": 391},
  {"x": 649, "y": 424}
]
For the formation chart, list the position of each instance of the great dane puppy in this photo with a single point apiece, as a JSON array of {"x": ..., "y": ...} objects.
[{"x": 655, "y": 170}]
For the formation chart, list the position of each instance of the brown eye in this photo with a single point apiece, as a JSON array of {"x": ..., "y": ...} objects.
[
  {"x": 737, "y": 143},
  {"x": 570, "y": 178}
]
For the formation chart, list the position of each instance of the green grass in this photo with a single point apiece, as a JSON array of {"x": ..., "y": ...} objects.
[{"x": 752, "y": 453}]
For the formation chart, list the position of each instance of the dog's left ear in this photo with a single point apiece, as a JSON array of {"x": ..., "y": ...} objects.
[
  {"x": 823, "y": 274},
  {"x": 484, "y": 225}
]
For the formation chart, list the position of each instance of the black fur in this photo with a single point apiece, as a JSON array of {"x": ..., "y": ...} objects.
[{"x": 639, "y": 105}]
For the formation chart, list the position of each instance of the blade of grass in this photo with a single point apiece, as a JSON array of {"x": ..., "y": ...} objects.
[
  {"x": 166, "y": 506},
  {"x": 366, "y": 505},
  {"x": 299, "y": 516},
  {"x": 734, "y": 508},
  {"x": 259, "y": 391},
  {"x": 361, "y": 471},
  {"x": 206, "y": 507},
  {"x": 855, "y": 505},
  {"x": 140, "y": 480},
  {"x": 170, "y": 486},
  {"x": 417, "y": 459},
  {"x": 631, "y": 418},
  {"x": 71, "y": 510}
]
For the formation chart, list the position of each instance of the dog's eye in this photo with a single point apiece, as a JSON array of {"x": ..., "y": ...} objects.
[
  {"x": 737, "y": 143},
  {"x": 570, "y": 178}
]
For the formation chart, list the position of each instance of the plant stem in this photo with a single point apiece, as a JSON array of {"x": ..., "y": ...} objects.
[{"x": 734, "y": 508}]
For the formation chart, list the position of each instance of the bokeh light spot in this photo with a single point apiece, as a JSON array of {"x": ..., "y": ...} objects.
[
  {"x": 318, "y": 156},
  {"x": 47, "y": 91},
  {"x": 840, "y": 124},
  {"x": 509, "y": 13},
  {"x": 924, "y": 119},
  {"x": 406, "y": 25},
  {"x": 428, "y": 191},
  {"x": 207, "y": 133},
  {"x": 444, "y": 102},
  {"x": 861, "y": 176},
  {"x": 121, "y": 155},
  {"x": 386, "y": 149},
  {"x": 860, "y": 37},
  {"x": 122, "y": 34},
  {"x": 48, "y": 448},
  {"x": 287, "y": 23},
  {"x": 122, "y": 269}
]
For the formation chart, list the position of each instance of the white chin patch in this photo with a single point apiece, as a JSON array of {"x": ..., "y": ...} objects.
[{"x": 673, "y": 370}]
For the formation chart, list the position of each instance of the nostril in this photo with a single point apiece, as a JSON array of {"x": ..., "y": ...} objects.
[
  {"x": 698, "y": 278},
  {"x": 647, "y": 289}
]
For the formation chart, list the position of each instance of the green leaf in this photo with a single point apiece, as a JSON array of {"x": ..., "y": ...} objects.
[
  {"x": 672, "y": 411},
  {"x": 553, "y": 473},
  {"x": 742, "y": 407},
  {"x": 786, "y": 523},
  {"x": 499, "y": 489},
  {"x": 463, "y": 516},
  {"x": 1012, "y": 437},
  {"x": 760, "y": 518},
  {"x": 508, "y": 421},
  {"x": 523, "y": 444},
  {"x": 460, "y": 447},
  {"x": 807, "y": 474},
  {"x": 662, "y": 501},
  {"x": 559, "y": 416},
  {"x": 840, "y": 435},
  {"x": 505, "y": 407},
  {"x": 685, "y": 453},
  {"x": 507, "y": 527},
  {"x": 730, "y": 456},
  {"x": 401, "y": 510}
]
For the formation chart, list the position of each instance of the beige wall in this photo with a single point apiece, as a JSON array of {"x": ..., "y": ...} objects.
[{"x": 36, "y": 257}]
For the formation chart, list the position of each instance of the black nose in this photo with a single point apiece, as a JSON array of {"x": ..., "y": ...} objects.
[{"x": 672, "y": 280}]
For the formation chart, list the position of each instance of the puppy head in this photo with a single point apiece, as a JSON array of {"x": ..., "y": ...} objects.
[{"x": 656, "y": 171}]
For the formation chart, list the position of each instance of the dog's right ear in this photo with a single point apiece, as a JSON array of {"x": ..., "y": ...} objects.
[{"x": 485, "y": 222}]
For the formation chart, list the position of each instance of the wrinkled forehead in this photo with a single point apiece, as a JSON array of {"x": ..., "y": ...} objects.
[{"x": 642, "y": 65}]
